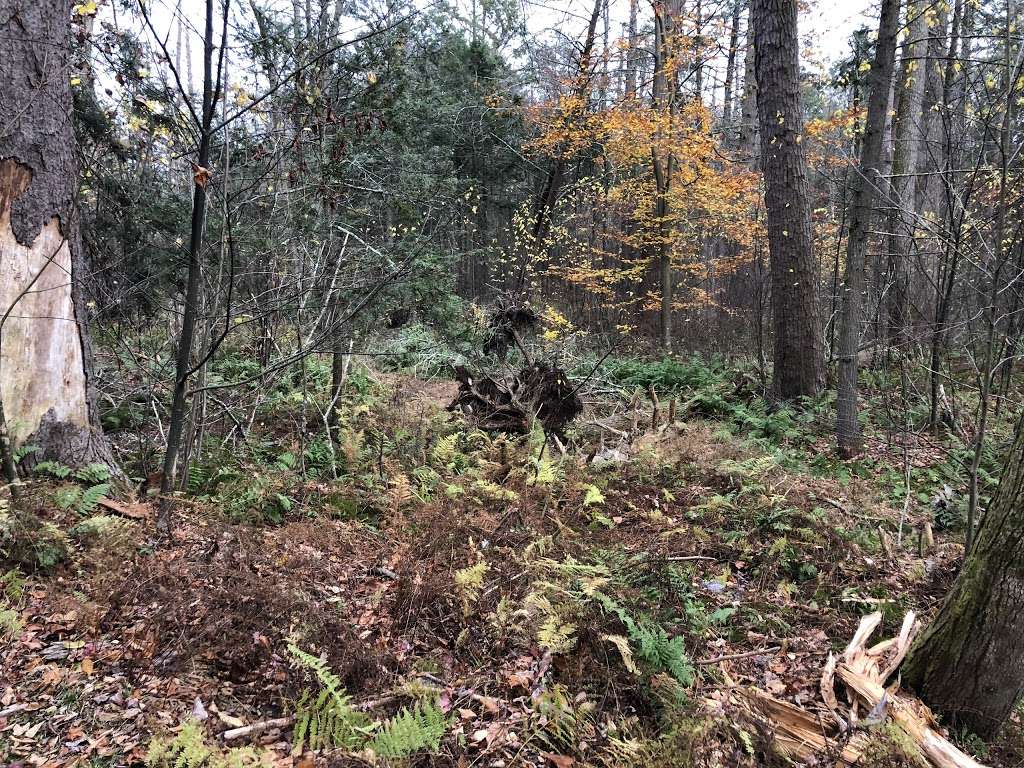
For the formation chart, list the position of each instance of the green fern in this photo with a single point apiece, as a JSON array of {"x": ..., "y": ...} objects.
[
  {"x": 25, "y": 450},
  {"x": 446, "y": 450},
  {"x": 326, "y": 719},
  {"x": 411, "y": 731},
  {"x": 93, "y": 474},
  {"x": 650, "y": 642},
  {"x": 188, "y": 749},
  {"x": 82, "y": 501},
  {"x": 54, "y": 468},
  {"x": 91, "y": 497}
]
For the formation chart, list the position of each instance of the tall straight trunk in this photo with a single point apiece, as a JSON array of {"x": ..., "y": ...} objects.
[
  {"x": 969, "y": 663},
  {"x": 730, "y": 73},
  {"x": 953, "y": 104},
  {"x": 663, "y": 98},
  {"x": 907, "y": 138},
  {"x": 994, "y": 269},
  {"x": 799, "y": 349},
  {"x": 863, "y": 188},
  {"x": 748, "y": 136},
  {"x": 46, "y": 395},
  {"x": 183, "y": 366},
  {"x": 632, "y": 51}
]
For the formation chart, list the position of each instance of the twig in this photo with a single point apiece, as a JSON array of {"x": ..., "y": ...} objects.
[
  {"x": 260, "y": 727},
  {"x": 731, "y": 656},
  {"x": 682, "y": 558}
]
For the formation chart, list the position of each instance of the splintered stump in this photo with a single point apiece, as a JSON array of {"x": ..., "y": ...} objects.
[
  {"x": 809, "y": 734},
  {"x": 510, "y": 404}
]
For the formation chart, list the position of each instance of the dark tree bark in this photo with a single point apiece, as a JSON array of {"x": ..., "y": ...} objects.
[
  {"x": 45, "y": 358},
  {"x": 664, "y": 87},
  {"x": 730, "y": 72},
  {"x": 969, "y": 663},
  {"x": 799, "y": 347},
  {"x": 183, "y": 365},
  {"x": 908, "y": 136},
  {"x": 864, "y": 186},
  {"x": 748, "y": 140}
]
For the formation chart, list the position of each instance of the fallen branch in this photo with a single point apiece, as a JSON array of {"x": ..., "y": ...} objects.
[
  {"x": 254, "y": 728},
  {"x": 733, "y": 656}
]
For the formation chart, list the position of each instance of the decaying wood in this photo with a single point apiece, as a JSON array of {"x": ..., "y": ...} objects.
[
  {"x": 828, "y": 683},
  {"x": 915, "y": 719},
  {"x": 927, "y": 539},
  {"x": 803, "y": 735},
  {"x": 796, "y": 733},
  {"x": 133, "y": 511},
  {"x": 511, "y": 403},
  {"x": 255, "y": 728},
  {"x": 656, "y": 407},
  {"x": 734, "y": 656}
]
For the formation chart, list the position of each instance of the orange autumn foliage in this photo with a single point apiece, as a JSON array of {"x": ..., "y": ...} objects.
[{"x": 709, "y": 225}]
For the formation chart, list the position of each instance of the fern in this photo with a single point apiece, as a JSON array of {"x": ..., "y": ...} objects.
[
  {"x": 54, "y": 468},
  {"x": 400, "y": 492},
  {"x": 545, "y": 472},
  {"x": 326, "y": 719},
  {"x": 651, "y": 642},
  {"x": 91, "y": 497},
  {"x": 411, "y": 731},
  {"x": 446, "y": 450},
  {"x": 93, "y": 474},
  {"x": 188, "y": 749},
  {"x": 21, "y": 452},
  {"x": 469, "y": 582}
]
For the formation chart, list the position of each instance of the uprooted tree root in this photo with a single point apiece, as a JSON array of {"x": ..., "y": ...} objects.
[{"x": 511, "y": 403}]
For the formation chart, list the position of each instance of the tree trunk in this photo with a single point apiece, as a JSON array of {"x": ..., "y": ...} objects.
[
  {"x": 45, "y": 358},
  {"x": 632, "y": 52},
  {"x": 906, "y": 152},
  {"x": 864, "y": 186},
  {"x": 183, "y": 366},
  {"x": 799, "y": 348},
  {"x": 730, "y": 74},
  {"x": 663, "y": 98},
  {"x": 748, "y": 139},
  {"x": 969, "y": 663}
]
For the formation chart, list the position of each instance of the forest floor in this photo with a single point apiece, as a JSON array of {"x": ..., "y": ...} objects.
[{"x": 558, "y": 611}]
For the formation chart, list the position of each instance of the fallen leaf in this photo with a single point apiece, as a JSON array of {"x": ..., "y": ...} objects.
[{"x": 560, "y": 761}]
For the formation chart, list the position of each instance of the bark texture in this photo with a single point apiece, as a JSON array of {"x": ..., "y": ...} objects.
[
  {"x": 969, "y": 663},
  {"x": 799, "y": 347},
  {"x": 865, "y": 185},
  {"x": 908, "y": 135},
  {"x": 45, "y": 362}
]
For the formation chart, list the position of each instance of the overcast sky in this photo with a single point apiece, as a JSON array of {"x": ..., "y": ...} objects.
[{"x": 826, "y": 24}]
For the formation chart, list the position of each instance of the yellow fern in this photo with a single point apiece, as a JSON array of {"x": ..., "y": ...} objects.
[{"x": 469, "y": 582}]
